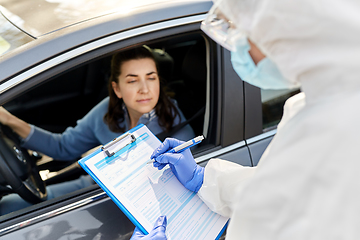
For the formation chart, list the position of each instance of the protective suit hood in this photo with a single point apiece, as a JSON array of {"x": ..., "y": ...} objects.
[{"x": 306, "y": 39}]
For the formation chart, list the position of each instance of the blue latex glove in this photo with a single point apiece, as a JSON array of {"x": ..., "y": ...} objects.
[
  {"x": 157, "y": 233},
  {"x": 182, "y": 164}
]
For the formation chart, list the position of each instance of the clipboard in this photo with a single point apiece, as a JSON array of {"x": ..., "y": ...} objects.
[{"x": 143, "y": 192}]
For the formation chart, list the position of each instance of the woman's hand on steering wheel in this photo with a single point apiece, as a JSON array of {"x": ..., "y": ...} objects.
[
  {"x": 18, "y": 169},
  {"x": 4, "y": 116},
  {"x": 20, "y": 127}
]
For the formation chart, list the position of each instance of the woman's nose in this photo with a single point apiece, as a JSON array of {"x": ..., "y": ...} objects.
[{"x": 144, "y": 88}]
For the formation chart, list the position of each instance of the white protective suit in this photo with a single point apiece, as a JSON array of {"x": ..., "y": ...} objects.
[{"x": 307, "y": 183}]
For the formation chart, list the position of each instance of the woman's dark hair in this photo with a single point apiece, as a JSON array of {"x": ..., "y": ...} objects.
[{"x": 165, "y": 109}]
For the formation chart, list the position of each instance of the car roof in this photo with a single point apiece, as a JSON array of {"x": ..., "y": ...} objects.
[{"x": 41, "y": 17}]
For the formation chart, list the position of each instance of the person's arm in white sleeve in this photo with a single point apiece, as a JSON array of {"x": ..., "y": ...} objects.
[{"x": 222, "y": 181}]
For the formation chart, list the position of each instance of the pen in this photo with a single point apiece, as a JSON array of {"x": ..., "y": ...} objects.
[{"x": 184, "y": 146}]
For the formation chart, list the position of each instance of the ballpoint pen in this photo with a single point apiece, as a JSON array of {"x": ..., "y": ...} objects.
[{"x": 184, "y": 146}]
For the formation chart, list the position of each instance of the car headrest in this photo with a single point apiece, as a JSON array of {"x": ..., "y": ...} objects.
[
  {"x": 194, "y": 64},
  {"x": 165, "y": 64}
]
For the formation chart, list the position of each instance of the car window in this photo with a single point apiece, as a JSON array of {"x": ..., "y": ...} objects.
[
  {"x": 272, "y": 106},
  {"x": 74, "y": 92}
]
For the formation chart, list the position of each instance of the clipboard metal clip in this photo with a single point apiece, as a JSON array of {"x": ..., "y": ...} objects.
[{"x": 107, "y": 146}]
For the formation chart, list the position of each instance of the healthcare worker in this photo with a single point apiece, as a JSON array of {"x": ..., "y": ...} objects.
[{"x": 307, "y": 183}]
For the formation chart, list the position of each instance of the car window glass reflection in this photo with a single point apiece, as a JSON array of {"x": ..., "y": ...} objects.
[
  {"x": 10, "y": 36},
  {"x": 272, "y": 106}
]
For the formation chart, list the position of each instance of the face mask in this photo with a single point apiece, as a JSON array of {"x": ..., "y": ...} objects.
[{"x": 264, "y": 75}]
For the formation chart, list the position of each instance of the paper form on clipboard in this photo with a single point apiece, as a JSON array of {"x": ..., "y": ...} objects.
[{"x": 144, "y": 193}]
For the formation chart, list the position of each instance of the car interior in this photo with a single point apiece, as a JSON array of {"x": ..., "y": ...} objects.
[{"x": 66, "y": 97}]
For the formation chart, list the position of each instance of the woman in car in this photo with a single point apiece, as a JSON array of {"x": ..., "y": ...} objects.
[{"x": 136, "y": 96}]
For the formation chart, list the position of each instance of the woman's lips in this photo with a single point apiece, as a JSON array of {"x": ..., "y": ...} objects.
[{"x": 144, "y": 100}]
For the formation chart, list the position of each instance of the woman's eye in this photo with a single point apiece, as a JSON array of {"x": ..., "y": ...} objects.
[
  {"x": 132, "y": 81},
  {"x": 152, "y": 77}
]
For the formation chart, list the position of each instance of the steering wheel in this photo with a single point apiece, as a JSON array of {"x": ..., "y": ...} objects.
[{"x": 18, "y": 169}]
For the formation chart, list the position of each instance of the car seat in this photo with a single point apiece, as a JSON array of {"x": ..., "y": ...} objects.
[{"x": 192, "y": 98}]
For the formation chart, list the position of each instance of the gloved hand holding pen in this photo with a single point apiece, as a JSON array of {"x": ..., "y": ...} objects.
[{"x": 182, "y": 164}]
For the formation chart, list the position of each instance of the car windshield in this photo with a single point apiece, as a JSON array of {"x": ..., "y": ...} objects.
[
  {"x": 63, "y": 13},
  {"x": 10, "y": 36}
]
